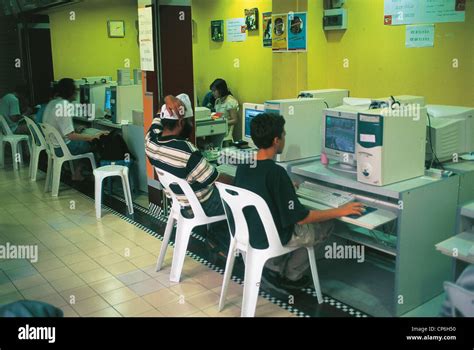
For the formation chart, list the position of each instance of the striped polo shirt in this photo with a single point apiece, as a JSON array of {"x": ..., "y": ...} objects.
[{"x": 182, "y": 159}]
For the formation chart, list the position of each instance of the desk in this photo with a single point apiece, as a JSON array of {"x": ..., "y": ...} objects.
[
  {"x": 413, "y": 272},
  {"x": 465, "y": 170},
  {"x": 459, "y": 247}
]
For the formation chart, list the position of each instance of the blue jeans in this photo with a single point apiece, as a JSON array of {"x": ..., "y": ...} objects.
[{"x": 76, "y": 148}]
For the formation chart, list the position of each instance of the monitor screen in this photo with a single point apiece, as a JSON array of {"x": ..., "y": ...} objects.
[
  {"x": 340, "y": 134},
  {"x": 249, "y": 115},
  {"x": 108, "y": 97}
]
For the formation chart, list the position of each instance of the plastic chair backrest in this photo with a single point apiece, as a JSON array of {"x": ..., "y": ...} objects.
[
  {"x": 36, "y": 133},
  {"x": 237, "y": 199},
  {"x": 4, "y": 127},
  {"x": 461, "y": 299},
  {"x": 53, "y": 138},
  {"x": 167, "y": 179}
]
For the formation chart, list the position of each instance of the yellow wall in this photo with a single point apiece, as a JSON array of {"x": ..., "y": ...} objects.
[
  {"x": 381, "y": 65},
  {"x": 252, "y": 81},
  {"x": 82, "y": 47}
]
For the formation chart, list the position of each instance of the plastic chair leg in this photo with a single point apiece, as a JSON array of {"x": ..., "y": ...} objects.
[
  {"x": 127, "y": 193},
  {"x": 314, "y": 273},
  {"x": 229, "y": 266},
  {"x": 183, "y": 233},
  {"x": 2, "y": 154},
  {"x": 15, "y": 154},
  {"x": 57, "y": 165},
  {"x": 34, "y": 162},
  {"x": 98, "y": 197},
  {"x": 49, "y": 173},
  {"x": 164, "y": 245},
  {"x": 253, "y": 276}
]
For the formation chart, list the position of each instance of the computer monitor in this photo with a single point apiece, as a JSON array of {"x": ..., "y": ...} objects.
[
  {"x": 250, "y": 110},
  {"x": 340, "y": 138},
  {"x": 333, "y": 97},
  {"x": 85, "y": 94},
  {"x": 465, "y": 115},
  {"x": 108, "y": 97}
]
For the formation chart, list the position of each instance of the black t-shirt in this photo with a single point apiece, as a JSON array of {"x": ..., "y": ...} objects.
[{"x": 271, "y": 182}]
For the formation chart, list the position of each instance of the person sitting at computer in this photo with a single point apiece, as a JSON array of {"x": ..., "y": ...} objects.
[
  {"x": 168, "y": 148},
  {"x": 13, "y": 106},
  {"x": 57, "y": 115},
  {"x": 270, "y": 181},
  {"x": 209, "y": 101},
  {"x": 226, "y": 104}
]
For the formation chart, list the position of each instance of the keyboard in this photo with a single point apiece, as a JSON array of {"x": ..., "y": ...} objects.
[
  {"x": 227, "y": 169},
  {"x": 324, "y": 195},
  {"x": 91, "y": 131}
]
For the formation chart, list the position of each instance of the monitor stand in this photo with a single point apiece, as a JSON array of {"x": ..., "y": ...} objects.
[{"x": 345, "y": 170}]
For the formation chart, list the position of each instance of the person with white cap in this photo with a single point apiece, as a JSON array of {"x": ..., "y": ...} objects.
[{"x": 168, "y": 148}]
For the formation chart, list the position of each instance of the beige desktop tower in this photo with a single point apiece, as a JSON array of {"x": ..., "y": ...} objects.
[
  {"x": 390, "y": 148},
  {"x": 303, "y": 126}
]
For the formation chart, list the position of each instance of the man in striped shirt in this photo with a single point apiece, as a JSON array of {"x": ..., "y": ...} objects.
[{"x": 168, "y": 149}]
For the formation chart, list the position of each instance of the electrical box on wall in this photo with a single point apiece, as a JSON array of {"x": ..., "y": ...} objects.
[{"x": 335, "y": 19}]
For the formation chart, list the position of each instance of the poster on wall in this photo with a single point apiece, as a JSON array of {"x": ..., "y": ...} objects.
[
  {"x": 217, "y": 30},
  {"x": 401, "y": 12},
  {"x": 420, "y": 36},
  {"x": 297, "y": 31},
  {"x": 251, "y": 19},
  {"x": 236, "y": 30},
  {"x": 280, "y": 33},
  {"x": 145, "y": 37},
  {"x": 267, "y": 29}
]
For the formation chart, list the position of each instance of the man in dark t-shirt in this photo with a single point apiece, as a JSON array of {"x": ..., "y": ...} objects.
[{"x": 296, "y": 225}]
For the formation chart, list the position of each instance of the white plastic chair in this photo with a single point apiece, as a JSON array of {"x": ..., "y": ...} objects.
[
  {"x": 55, "y": 141},
  {"x": 6, "y": 135},
  {"x": 237, "y": 199},
  {"x": 184, "y": 225},
  {"x": 38, "y": 146},
  {"x": 107, "y": 171},
  {"x": 461, "y": 299}
]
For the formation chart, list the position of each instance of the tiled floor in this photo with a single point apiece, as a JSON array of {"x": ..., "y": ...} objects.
[{"x": 97, "y": 268}]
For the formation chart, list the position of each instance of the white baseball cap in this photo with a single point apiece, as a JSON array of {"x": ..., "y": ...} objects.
[{"x": 188, "y": 109}]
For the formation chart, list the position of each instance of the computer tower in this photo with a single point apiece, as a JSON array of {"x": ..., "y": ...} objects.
[
  {"x": 390, "y": 148},
  {"x": 303, "y": 126}
]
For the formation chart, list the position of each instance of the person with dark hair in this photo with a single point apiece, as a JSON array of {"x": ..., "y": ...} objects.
[
  {"x": 168, "y": 148},
  {"x": 59, "y": 113},
  {"x": 209, "y": 101},
  {"x": 292, "y": 219},
  {"x": 226, "y": 104},
  {"x": 13, "y": 106}
]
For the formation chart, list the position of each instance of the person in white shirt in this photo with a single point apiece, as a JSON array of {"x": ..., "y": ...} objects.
[
  {"x": 13, "y": 106},
  {"x": 57, "y": 114}
]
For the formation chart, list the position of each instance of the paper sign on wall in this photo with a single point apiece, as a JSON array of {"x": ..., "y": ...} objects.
[
  {"x": 236, "y": 30},
  {"x": 297, "y": 31},
  {"x": 280, "y": 32},
  {"x": 145, "y": 37},
  {"x": 420, "y": 36},
  {"x": 400, "y": 12},
  {"x": 267, "y": 29}
]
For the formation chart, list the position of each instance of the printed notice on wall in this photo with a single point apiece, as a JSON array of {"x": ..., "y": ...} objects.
[
  {"x": 297, "y": 31},
  {"x": 400, "y": 12},
  {"x": 236, "y": 30},
  {"x": 145, "y": 37},
  {"x": 420, "y": 36},
  {"x": 280, "y": 32}
]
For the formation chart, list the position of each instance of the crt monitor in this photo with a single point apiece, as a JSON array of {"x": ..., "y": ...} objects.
[
  {"x": 108, "y": 98},
  {"x": 339, "y": 137},
  {"x": 250, "y": 110}
]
